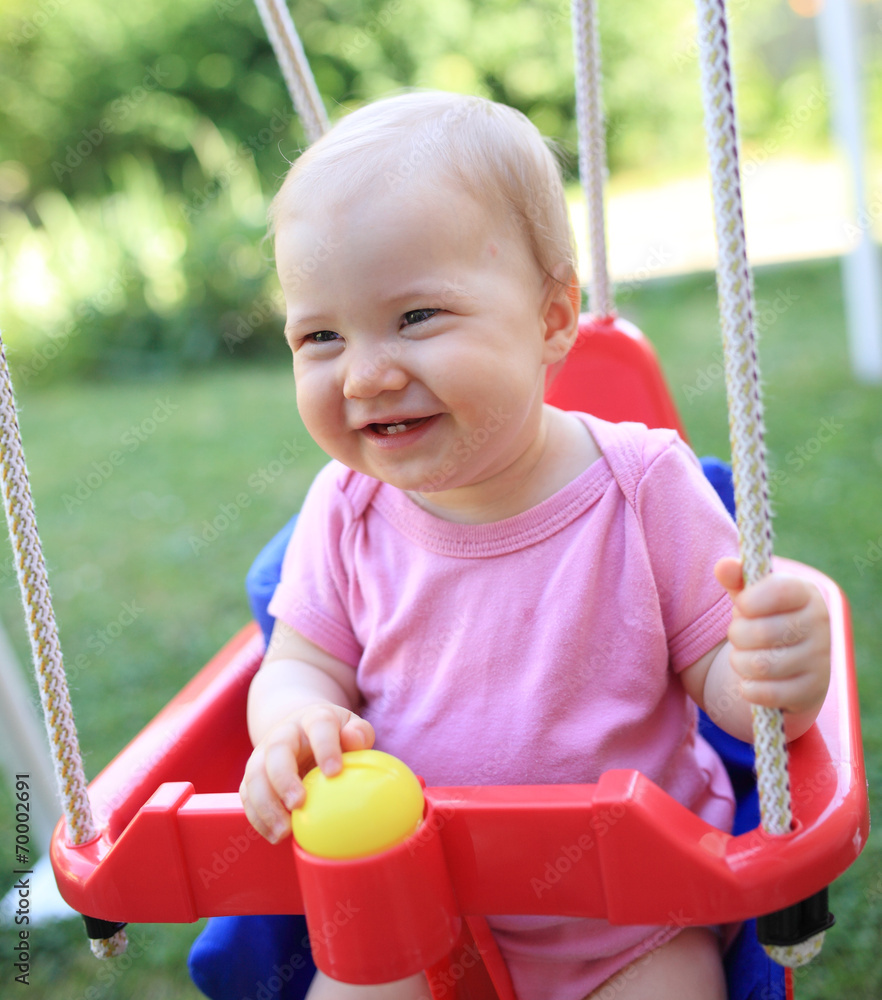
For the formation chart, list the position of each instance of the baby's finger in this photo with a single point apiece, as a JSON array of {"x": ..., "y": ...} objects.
[
  {"x": 771, "y": 632},
  {"x": 283, "y": 771},
  {"x": 775, "y": 594},
  {"x": 729, "y": 575},
  {"x": 321, "y": 724},
  {"x": 779, "y": 678},
  {"x": 792, "y": 694},
  {"x": 766, "y": 664},
  {"x": 263, "y": 808},
  {"x": 357, "y": 734}
]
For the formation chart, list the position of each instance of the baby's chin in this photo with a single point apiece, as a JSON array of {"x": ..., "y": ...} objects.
[
  {"x": 408, "y": 481},
  {"x": 421, "y": 487}
]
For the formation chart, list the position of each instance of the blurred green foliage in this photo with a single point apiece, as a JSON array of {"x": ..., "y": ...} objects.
[{"x": 141, "y": 144}]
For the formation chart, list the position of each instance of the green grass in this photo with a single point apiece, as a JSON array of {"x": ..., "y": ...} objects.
[{"x": 132, "y": 537}]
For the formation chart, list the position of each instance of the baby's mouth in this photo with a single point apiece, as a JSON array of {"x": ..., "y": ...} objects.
[{"x": 399, "y": 427}]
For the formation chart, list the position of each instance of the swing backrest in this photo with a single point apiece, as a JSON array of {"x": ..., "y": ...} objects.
[{"x": 613, "y": 372}]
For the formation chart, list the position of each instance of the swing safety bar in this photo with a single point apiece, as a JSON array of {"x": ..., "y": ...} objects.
[{"x": 175, "y": 845}]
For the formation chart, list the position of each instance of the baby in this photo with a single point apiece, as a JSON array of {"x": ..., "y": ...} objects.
[{"x": 494, "y": 590}]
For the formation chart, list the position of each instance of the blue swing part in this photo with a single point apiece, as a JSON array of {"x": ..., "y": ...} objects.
[{"x": 613, "y": 372}]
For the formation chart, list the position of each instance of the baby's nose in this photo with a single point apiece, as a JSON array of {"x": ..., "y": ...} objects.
[{"x": 373, "y": 372}]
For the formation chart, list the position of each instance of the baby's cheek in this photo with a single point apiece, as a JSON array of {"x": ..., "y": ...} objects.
[{"x": 319, "y": 407}]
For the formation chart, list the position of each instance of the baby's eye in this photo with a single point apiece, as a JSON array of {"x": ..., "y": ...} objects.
[
  {"x": 321, "y": 337},
  {"x": 419, "y": 316}
]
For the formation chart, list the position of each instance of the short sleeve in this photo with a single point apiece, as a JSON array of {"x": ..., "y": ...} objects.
[
  {"x": 312, "y": 595},
  {"x": 686, "y": 530}
]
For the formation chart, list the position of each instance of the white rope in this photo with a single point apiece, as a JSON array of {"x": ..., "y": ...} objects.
[
  {"x": 295, "y": 67},
  {"x": 795, "y": 955},
  {"x": 111, "y": 947},
  {"x": 43, "y": 632},
  {"x": 592, "y": 149},
  {"x": 735, "y": 288}
]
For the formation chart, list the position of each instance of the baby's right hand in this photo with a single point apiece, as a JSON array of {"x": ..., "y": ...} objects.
[{"x": 314, "y": 735}]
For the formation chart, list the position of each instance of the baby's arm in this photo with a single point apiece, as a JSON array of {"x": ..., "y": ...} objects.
[
  {"x": 299, "y": 715},
  {"x": 778, "y": 654}
]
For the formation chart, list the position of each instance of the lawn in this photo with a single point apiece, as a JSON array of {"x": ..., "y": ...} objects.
[{"x": 147, "y": 552}]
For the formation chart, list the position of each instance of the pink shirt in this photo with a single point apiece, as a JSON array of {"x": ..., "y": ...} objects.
[{"x": 539, "y": 649}]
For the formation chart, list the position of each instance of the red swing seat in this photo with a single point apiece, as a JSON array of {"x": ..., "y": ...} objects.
[{"x": 175, "y": 844}]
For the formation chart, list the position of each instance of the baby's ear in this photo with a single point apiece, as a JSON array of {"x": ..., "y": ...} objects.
[
  {"x": 562, "y": 306},
  {"x": 574, "y": 292}
]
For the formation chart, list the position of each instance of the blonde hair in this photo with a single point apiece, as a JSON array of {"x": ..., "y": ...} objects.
[{"x": 493, "y": 151}]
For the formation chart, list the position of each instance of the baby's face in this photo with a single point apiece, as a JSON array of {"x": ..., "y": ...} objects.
[{"x": 415, "y": 318}]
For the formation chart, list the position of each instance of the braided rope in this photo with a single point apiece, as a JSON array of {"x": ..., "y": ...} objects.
[
  {"x": 295, "y": 67},
  {"x": 795, "y": 955},
  {"x": 111, "y": 947},
  {"x": 592, "y": 149},
  {"x": 735, "y": 289},
  {"x": 43, "y": 632}
]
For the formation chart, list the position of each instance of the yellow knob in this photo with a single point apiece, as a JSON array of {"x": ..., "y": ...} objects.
[{"x": 374, "y": 803}]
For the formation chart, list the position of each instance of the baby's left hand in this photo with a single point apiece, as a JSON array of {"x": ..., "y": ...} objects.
[{"x": 780, "y": 639}]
